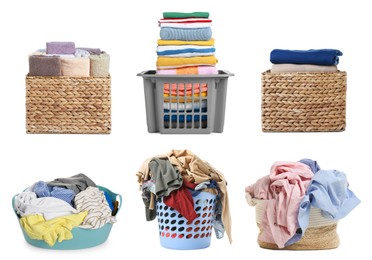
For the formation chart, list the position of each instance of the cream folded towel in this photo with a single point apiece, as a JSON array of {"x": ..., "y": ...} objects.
[
  {"x": 99, "y": 65},
  {"x": 288, "y": 67},
  {"x": 75, "y": 67}
]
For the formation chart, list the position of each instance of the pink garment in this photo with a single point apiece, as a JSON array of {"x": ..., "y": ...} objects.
[
  {"x": 182, "y": 88},
  {"x": 196, "y": 70},
  {"x": 284, "y": 189}
]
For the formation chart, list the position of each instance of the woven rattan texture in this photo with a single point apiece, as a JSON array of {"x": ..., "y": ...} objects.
[
  {"x": 68, "y": 105},
  {"x": 303, "y": 102},
  {"x": 316, "y": 238}
]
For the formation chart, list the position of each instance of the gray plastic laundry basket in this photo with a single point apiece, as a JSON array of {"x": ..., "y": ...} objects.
[{"x": 185, "y": 104}]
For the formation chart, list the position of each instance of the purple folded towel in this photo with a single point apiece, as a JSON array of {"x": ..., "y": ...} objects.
[
  {"x": 60, "y": 48},
  {"x": 44, "y": 66}
]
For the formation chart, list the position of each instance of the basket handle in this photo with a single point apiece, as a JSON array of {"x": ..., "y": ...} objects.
[
  {"x": 228, "y": 73},
  {"x": 13, "y": 204},
  {"x": 120, "y": 199}
]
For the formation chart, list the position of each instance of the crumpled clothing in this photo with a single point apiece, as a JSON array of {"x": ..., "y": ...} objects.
[
  {"x": 314, "y": 166},
  {"x": 43, "y": 190},
  {"x": 28, "y": 204},
  {"x": 77, "y": 183},
  {"x": 52, "y": 230},
  {"x": 94, "y": 201},
  {"x": 166, "y": 177},
  {"x": 329, "y": 192},
  {"x": 284, "y": 189}
]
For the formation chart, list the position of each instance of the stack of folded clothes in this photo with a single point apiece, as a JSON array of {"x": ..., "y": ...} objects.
[
  {"x": 64, "y": 59},
  {"x": 313, "y": 60},
  {"x": 186, "y": 45}
]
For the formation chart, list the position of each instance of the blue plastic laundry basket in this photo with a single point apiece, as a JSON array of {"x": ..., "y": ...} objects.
[
  {"x": 176, "y": 232},
  {"x": 82, "y": 238}
]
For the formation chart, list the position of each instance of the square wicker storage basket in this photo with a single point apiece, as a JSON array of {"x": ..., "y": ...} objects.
[
  {"x": 68, "y": 105},
  {"x": 303, "y": 101}
]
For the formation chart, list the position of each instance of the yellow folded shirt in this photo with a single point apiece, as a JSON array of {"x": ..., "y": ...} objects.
[
  {"x": 210, "y": 42},
  {"x": 192, "y": 61},
  {"x": 57, "y": 228}
]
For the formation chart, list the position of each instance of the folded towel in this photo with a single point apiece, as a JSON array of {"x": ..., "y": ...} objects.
[
  {"x": 197, "y": 34},
  {"x": 44, "y": 65},
  {"x": 99, "y": 65},
  {"x": 60, "y": 48},
  {"x": 95, "y": 51},
  {"x": 185, "y": 20},
  {"x": 209, "y": 42},
  {"x": 75, "y": 67},
  {"x": 182, "y": 89},
  {"x": 287, "y": 67},
  {"x": 185, "y": 25},
  {"x": 180, "y": 107},
  {"x": 166, "y": 63},
  {"x": 315, "y": 57},
  {"x": 185, "y": 15},
  {"x": 197, "y": 70},
  {"x": 185, "y": 50}
]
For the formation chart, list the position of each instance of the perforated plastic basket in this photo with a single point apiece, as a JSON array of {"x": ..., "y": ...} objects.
[
  {"x": 185, "y": 104},
  {"x": 176, "y": 232},
  {"x": 82, "y": 238}
]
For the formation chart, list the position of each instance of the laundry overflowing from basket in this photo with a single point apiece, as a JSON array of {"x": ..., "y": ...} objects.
[
  {"x": 298, "y": 205},
  {"x": 64, "y": 59},
  {"x": 189, "y": 198},
  {"x": 304, "y": 92},
  {"x": 66, "y": 213},
  {"x": 186, "y": 73},
  {"x": 68, "y": 90}
]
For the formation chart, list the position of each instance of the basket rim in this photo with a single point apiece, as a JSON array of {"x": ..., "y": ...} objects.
[
  {"x": 67, "y": 77},
  {"x": 303, "y": 73}
]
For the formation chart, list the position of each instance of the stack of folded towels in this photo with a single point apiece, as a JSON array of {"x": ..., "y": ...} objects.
[
  {"x": 186, "y": 45},
  {"x": 313, "y": 60},
  {"x": 63, "y": 59}
]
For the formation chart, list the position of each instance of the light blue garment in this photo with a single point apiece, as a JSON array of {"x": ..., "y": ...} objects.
[
  {"x": 314, "y": 166},
  {"x": 186, "y": 34},
  {"x": 329, "y": 192},
  {"x": 43, "y": 190}
]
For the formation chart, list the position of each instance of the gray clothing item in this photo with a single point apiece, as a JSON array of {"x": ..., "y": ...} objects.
[
  {"x": 76, "y": 183},
  {"x": 166, "y": 177}
]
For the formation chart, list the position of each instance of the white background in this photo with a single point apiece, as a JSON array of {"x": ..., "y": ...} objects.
[{"x": 245, "y": 33}]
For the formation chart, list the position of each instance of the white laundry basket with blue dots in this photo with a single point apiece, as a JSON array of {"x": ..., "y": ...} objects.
[{"x": 176, "y": 232}]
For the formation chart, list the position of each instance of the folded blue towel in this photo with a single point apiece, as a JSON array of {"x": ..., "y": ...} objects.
[
  {"x": 181, "y": 118},
  {"x": 325, "y": 57},
  {"x": 198, "y": 34}
]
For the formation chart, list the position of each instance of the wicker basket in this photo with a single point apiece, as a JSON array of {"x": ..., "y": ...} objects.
[
  {"x": 303, "y": 102},
  {"x": 68, "y": 105},
  {"x": 320, "y": 234}
]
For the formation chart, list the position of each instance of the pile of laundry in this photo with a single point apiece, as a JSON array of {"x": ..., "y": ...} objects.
[
  {"x": 64, "y": 59},
  {"x": 290, "y": 191},
  {"x": 174, "y": 178},
  {"x": 50, "y": 210}
]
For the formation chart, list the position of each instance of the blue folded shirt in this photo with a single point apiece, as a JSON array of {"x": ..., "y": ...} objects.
[{"x": 326, "y": 57}]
